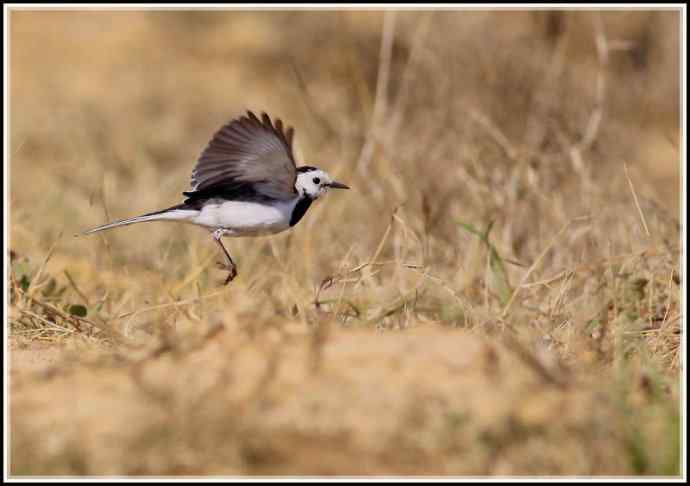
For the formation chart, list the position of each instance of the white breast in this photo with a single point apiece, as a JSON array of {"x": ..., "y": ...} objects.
[{"x": 243, "y": 218}]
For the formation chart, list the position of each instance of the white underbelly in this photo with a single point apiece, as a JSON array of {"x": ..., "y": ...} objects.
[{"x": 242, "y": 218}]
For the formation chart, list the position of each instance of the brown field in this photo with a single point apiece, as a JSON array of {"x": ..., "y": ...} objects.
[{"x": 499, "y": 293}]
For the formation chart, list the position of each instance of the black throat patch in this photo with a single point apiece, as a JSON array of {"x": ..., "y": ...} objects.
[{"x": 300, "y": 208}]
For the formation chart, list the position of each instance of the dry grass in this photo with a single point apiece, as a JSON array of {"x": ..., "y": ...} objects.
[{"x": 498, "y": 295}]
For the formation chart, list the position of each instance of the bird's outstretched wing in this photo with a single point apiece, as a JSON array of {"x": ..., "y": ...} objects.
[{"x": 248, "y": 154}]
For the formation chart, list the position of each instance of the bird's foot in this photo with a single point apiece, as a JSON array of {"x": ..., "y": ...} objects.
[{"x": 231, "y": 269}]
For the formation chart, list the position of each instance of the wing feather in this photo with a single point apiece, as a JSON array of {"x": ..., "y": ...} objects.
[{"x": 249, "y": 151}]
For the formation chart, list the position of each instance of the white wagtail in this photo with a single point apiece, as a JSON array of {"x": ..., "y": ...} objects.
[{"x": 245, "y": 183}]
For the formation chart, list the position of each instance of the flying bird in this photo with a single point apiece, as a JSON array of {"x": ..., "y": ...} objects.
[{"x": 245, "y": 183}]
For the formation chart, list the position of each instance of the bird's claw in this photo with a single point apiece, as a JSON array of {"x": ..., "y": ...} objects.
[
  {"x": 231, "y": 269},
  {"x": 231, "y": 275}
]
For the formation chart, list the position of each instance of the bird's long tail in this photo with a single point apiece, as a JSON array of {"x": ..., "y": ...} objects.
[{"x": 174, "y": 213}]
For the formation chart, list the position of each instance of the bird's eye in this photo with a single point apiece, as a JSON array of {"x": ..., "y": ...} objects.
[{"x": 316, "y": 180}]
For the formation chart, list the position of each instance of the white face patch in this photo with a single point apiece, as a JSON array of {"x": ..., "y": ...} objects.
[{"x": 313, "y": 183}]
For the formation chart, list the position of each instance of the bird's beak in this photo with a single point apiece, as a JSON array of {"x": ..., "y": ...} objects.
[{"x": 338, "y": 185}]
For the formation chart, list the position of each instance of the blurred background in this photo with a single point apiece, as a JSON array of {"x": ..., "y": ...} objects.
[
  {"x": 466, "y": 93},
  {"x": 559, "y": 130}
]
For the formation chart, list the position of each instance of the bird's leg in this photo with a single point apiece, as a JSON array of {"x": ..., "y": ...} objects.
[{"x": 230, "y": 266}]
